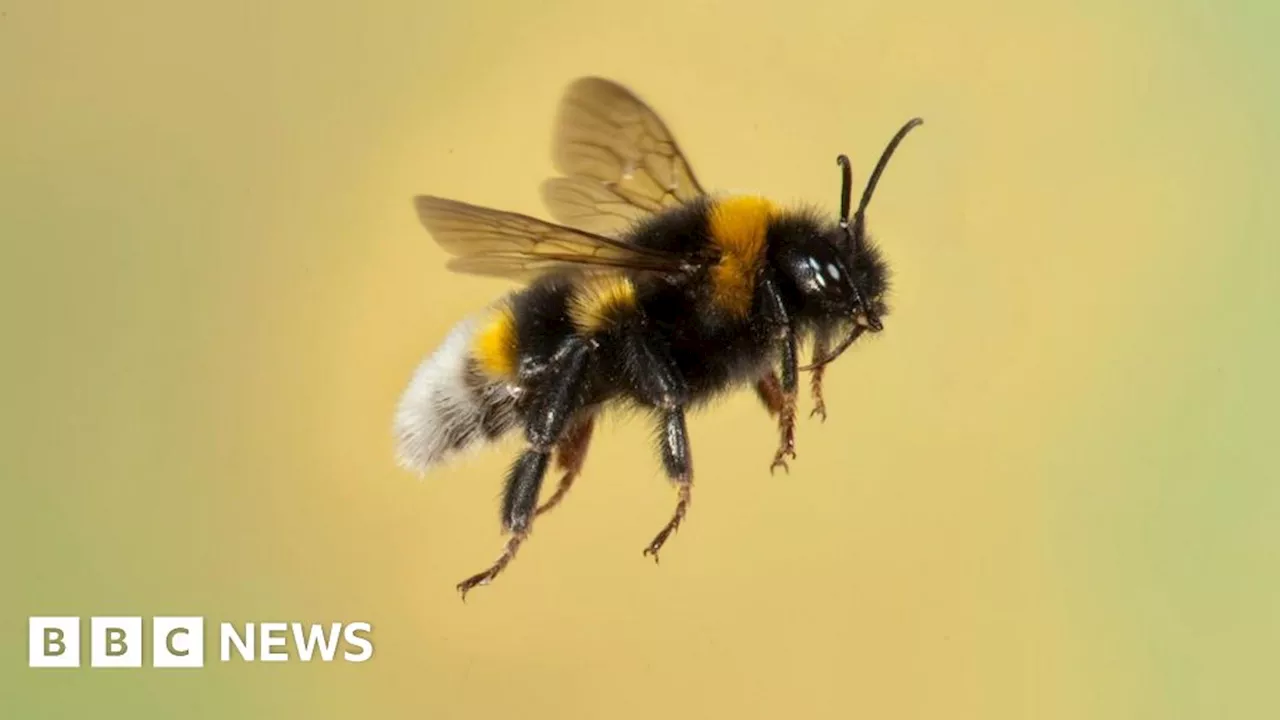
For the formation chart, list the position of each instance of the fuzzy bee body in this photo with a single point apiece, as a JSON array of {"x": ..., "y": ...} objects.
[{"x": 651, "y": 294}]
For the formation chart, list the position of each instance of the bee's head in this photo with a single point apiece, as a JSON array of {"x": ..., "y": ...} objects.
[
  {"x": 854, "y": 291},
  {"x": 832, "y": 285}
]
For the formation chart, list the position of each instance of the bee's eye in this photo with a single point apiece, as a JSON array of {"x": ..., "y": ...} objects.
[{"x": 816, "y": 267}]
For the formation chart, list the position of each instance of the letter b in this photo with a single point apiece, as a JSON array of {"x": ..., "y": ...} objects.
[
  {"x": 53, "y": 642},
  {"x": 115, "y": 642}
]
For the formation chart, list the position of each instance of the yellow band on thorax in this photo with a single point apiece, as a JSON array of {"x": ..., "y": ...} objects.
[{"x": 739, "y": 228}]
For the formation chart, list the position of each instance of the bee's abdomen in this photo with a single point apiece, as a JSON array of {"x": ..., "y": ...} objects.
[
  {"x": 460, "y": 397},
  {"x": 598, "y": 304}
]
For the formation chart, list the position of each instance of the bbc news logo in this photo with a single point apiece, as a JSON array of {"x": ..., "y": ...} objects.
[{"x": 178, "y": 642}]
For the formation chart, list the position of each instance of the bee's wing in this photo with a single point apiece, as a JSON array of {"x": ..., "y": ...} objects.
[
  {"x": 620, "y": 162},
  {"x": 503, "y": 244}
]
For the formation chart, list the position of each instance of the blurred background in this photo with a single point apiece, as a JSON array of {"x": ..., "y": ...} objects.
[{"x": 1048, "y": 490}]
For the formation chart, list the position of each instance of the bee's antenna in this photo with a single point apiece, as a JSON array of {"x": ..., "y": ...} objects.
[
  {"x": 846, "y": 189},
  {"x": 875, "y": 175}
]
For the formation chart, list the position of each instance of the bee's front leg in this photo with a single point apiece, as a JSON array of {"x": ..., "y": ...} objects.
[
  {"x": 769, "y": 390},
  {"x": 821, "y": 345},
  {"x": 780, "y": 327}
]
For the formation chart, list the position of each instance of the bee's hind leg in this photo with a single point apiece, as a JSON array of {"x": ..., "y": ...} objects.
[
  {"x": 570, "y": 454},
  {"x": 548, "y": 415},
  {"x": 517, "y": 509}
]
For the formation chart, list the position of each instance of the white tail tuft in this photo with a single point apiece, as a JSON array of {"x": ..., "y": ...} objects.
[{"x": 448, "y": 407}]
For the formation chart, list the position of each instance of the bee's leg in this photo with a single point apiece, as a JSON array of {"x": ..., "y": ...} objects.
[
  {"x": 570, "y": 454},
  {"x": 656, "y": 381},
  {"x": 821, "y": 343},
  {"x": 769, "y": 388},
  {"x": 548, "y": 414},
  {"x": 780, "y": 325},
  {"x": 679, "y": 466},
  {"x": 523, "y": 481}
]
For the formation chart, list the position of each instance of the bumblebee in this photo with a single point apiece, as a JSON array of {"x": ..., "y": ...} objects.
[{"x": 646, "y": 293}]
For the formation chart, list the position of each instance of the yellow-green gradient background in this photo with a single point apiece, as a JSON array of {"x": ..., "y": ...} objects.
[{"x": 1049, "y": 490}]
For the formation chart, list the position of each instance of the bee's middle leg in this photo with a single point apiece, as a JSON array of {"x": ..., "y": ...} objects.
[
  {"x": 548, "y": 415},
  {"x": 656, "y": 381},
  {"x": 678, "y": 463}
]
